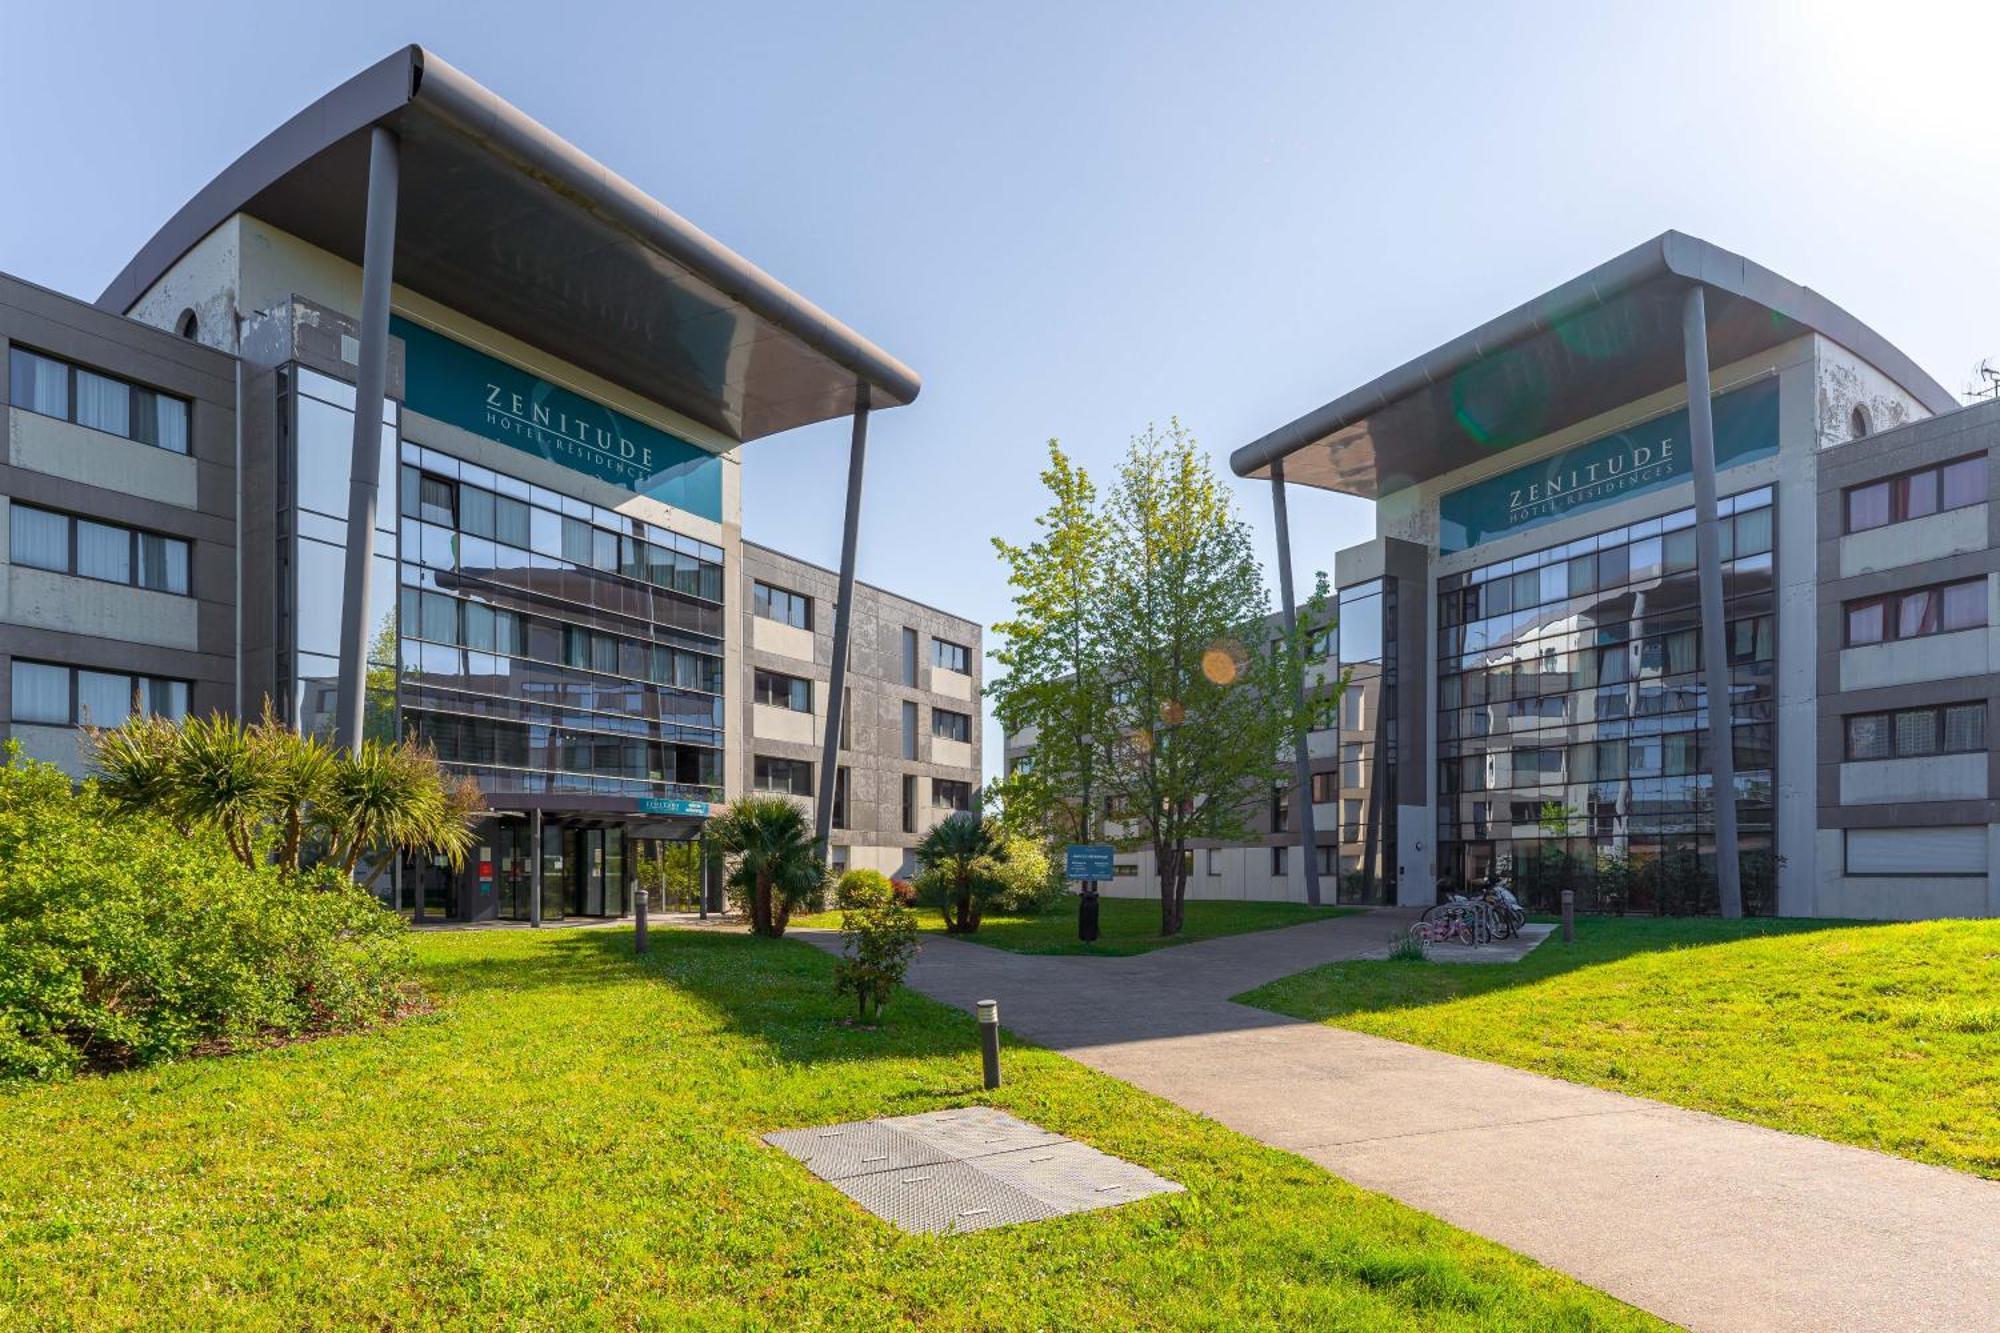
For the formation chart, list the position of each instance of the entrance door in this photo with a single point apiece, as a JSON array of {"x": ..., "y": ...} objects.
[{"x": 586, "y": 884}]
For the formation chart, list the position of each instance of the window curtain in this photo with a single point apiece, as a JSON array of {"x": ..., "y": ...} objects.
[
  {"x": 103, "y": 700},
  {"x": 103, "y": 552},
  {"x": 103, "y": 404},
  {"x": 39, "y": 384},
  {"x": 163, "y": 563},
  {"x": 40, "y": 539},
  {"x": 171, "y": 422},
  {"x": 41, "y": 694}
]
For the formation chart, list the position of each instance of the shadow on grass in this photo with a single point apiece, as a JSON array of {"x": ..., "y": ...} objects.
[
  {"x": 1337, "y": 990},
  {"x": 778, "y": 993}
]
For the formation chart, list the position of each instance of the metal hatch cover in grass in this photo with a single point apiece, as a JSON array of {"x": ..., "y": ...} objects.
[{"x": 965, "y": 1169}]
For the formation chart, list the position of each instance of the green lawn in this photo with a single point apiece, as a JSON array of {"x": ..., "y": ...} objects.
[
  {"x": 571, "y": 1141},
  {"x": 1882, "y": 1036},
  {"x": 1125, "y": 925}
]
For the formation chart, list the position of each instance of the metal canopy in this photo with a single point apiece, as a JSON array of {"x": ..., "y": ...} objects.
[
  {"x": 509, "y": 224},
  {"x": 1607, "y": 338}
]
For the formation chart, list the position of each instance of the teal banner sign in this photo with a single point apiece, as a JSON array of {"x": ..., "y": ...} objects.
[
  {"x": 1089, "y": 861},
  {"x": 672, "y": 805},
  {"x": 473, "y": 391},
  {"x": 1611, "y": 468}
]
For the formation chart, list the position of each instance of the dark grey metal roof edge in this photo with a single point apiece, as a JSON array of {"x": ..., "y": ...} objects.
[
  {"x": 372, "y": 95},
  {"x": 1671, "y": 253},
  {"x": 485, "y": 116},
  {"x": 415, "y": 74}
]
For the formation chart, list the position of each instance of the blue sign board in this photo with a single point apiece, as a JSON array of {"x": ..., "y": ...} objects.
[
  {"x": 473, "y": 391},
  {"x": 1087, "y": 861},
  {"x": 672, "y": 805},
  {"x": 1607, "y": 469}
]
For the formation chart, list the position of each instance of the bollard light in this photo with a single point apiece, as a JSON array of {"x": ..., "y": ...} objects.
[
  {"x": 1569, "y": 916},
  {"x": 639, "y": 904},
  {"x": 989, "y": 1041}
]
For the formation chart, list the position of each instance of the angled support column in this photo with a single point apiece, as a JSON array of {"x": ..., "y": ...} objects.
[
  {"x": 836, "y": 691},
  {"x": 1302, "y": 806},
  {"x": 1714, "y": 645},
  {"x": 378, "y": 261}
]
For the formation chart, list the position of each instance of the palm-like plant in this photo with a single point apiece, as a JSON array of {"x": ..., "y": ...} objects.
[
  {"x": 138, "y": 765},
  {"x": 774, "y": 866},
  {"x": 394, "y": 796},
  {"x": 302, "y": 767},
  {"x": 223, "y": 777},
  {"x": 961, "y": 858}
]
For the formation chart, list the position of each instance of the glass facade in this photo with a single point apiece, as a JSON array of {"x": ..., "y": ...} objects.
[
  {"x": 541, "y": 643},
  {"x": 549, "y": 645},
  {"x": 1571, "y": 715},
  {"x": 1368, "y": 747}
]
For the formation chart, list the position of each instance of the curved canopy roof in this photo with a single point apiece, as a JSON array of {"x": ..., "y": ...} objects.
[
  {"x": 500, "y": 219},
  {"x": 1609, "y": 337}
]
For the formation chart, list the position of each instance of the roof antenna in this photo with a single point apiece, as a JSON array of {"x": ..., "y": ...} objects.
[{"x": 1987, "y": 372}]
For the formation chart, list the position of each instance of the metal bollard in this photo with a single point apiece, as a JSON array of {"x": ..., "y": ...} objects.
[
  {"x": 639, "y": 904},
  {"x": 1569, "y": 916},
  {"x": 989, "y": 1040}
]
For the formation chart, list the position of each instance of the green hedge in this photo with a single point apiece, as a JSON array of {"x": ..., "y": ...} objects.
[{"x": 124, "y": 941}]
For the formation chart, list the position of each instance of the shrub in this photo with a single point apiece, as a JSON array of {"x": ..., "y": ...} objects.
[
  {"x": 861, "y": 886},
  {"x": 878, "y": 939},
  {"x": 961, "y": 859},
  {"x": 773, "y": 866},
  {"x": 1031, "y": 881},
  {"x": 1408, "y": 948},
  {"x": 124, "y": 941}
]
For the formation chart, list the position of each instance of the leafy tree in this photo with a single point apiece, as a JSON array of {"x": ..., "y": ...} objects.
[
  {"x": 1051, "y": 658},
  {"x": 775, "y": 867},
  {"x": 1195, "y": 729},
  {"x": 962, "y": 861},
  {"x": 673, "y": 873},
  {"x": 878, "y": 939}
]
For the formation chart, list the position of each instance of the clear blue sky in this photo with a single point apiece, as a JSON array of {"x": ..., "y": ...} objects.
[{"x": 1076, "y": 218}]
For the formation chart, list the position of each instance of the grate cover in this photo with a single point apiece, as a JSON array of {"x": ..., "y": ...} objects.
[{"x": 965, "y": 1169}]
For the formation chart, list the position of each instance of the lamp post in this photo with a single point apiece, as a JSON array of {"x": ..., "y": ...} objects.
[{"x": 1087, "y": 906}]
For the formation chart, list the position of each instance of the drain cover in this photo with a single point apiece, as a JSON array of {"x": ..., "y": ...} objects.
[{"x": 965, "y": 1169}]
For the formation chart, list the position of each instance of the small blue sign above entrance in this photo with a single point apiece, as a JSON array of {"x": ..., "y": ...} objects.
[
  {"x": 1607, "y": 469},
  {"x": 473, "y": 391},
  {"x": 673, "y": 805},
  {"x": 1088, "y": 861}
]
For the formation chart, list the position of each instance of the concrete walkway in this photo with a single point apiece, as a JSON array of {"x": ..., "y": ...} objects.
[{"x": 1703, "y": 1221}]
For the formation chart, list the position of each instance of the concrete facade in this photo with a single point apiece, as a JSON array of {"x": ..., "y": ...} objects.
[
  {"x": 1946, "y": 798},
  {"x": 59, "y": 466},
  {"x": 885, "y": 688}
]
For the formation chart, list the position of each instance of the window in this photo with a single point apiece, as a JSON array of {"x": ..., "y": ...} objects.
[
  {"x": 840, "y": 798},
  {"x": 909, "y": 803},
  {"x": 948, "y": 656},
  {"x": 787, "y": 777},
  {"x": 1281, "y": 809},
  {"x": 1911, "y": 732},
  {"x": 787, "y": 608},
  {"x": 909, "y": 729},
  {"x": 1214, "y": 860},
  {"x": 53, "y": 388},
  {"x": 909, "y": 656},
  {"x": 782, "y": 691},
  {"x": 1322, "y": 646},
  {"x": 1916, "y": 494},
  {"x": 950, "y": 726},
  {"x": 1946, "y": 850},
  {"x": 58, "y": 696},
  {"x": 1325, "y": 788},
  {"x": 43, "y": 539},
  {"x": 1125, "y": 871},
  {"x": 1280, "y": 863},
  {"x": 437, "y": 500},
  {"x": 949, "y": 795},
  {"x": 1917, "y": 613}
]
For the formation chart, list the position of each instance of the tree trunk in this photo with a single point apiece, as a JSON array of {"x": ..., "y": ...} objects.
[
  {"x": 1170, "y": 900},
  {"x": 760, "y": 906}
]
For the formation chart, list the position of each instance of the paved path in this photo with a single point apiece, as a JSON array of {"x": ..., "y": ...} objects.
[{"x": 1703, "y": 1221}]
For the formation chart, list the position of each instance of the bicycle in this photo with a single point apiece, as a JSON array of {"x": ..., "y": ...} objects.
[{"x": 1476, "y": 918}]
